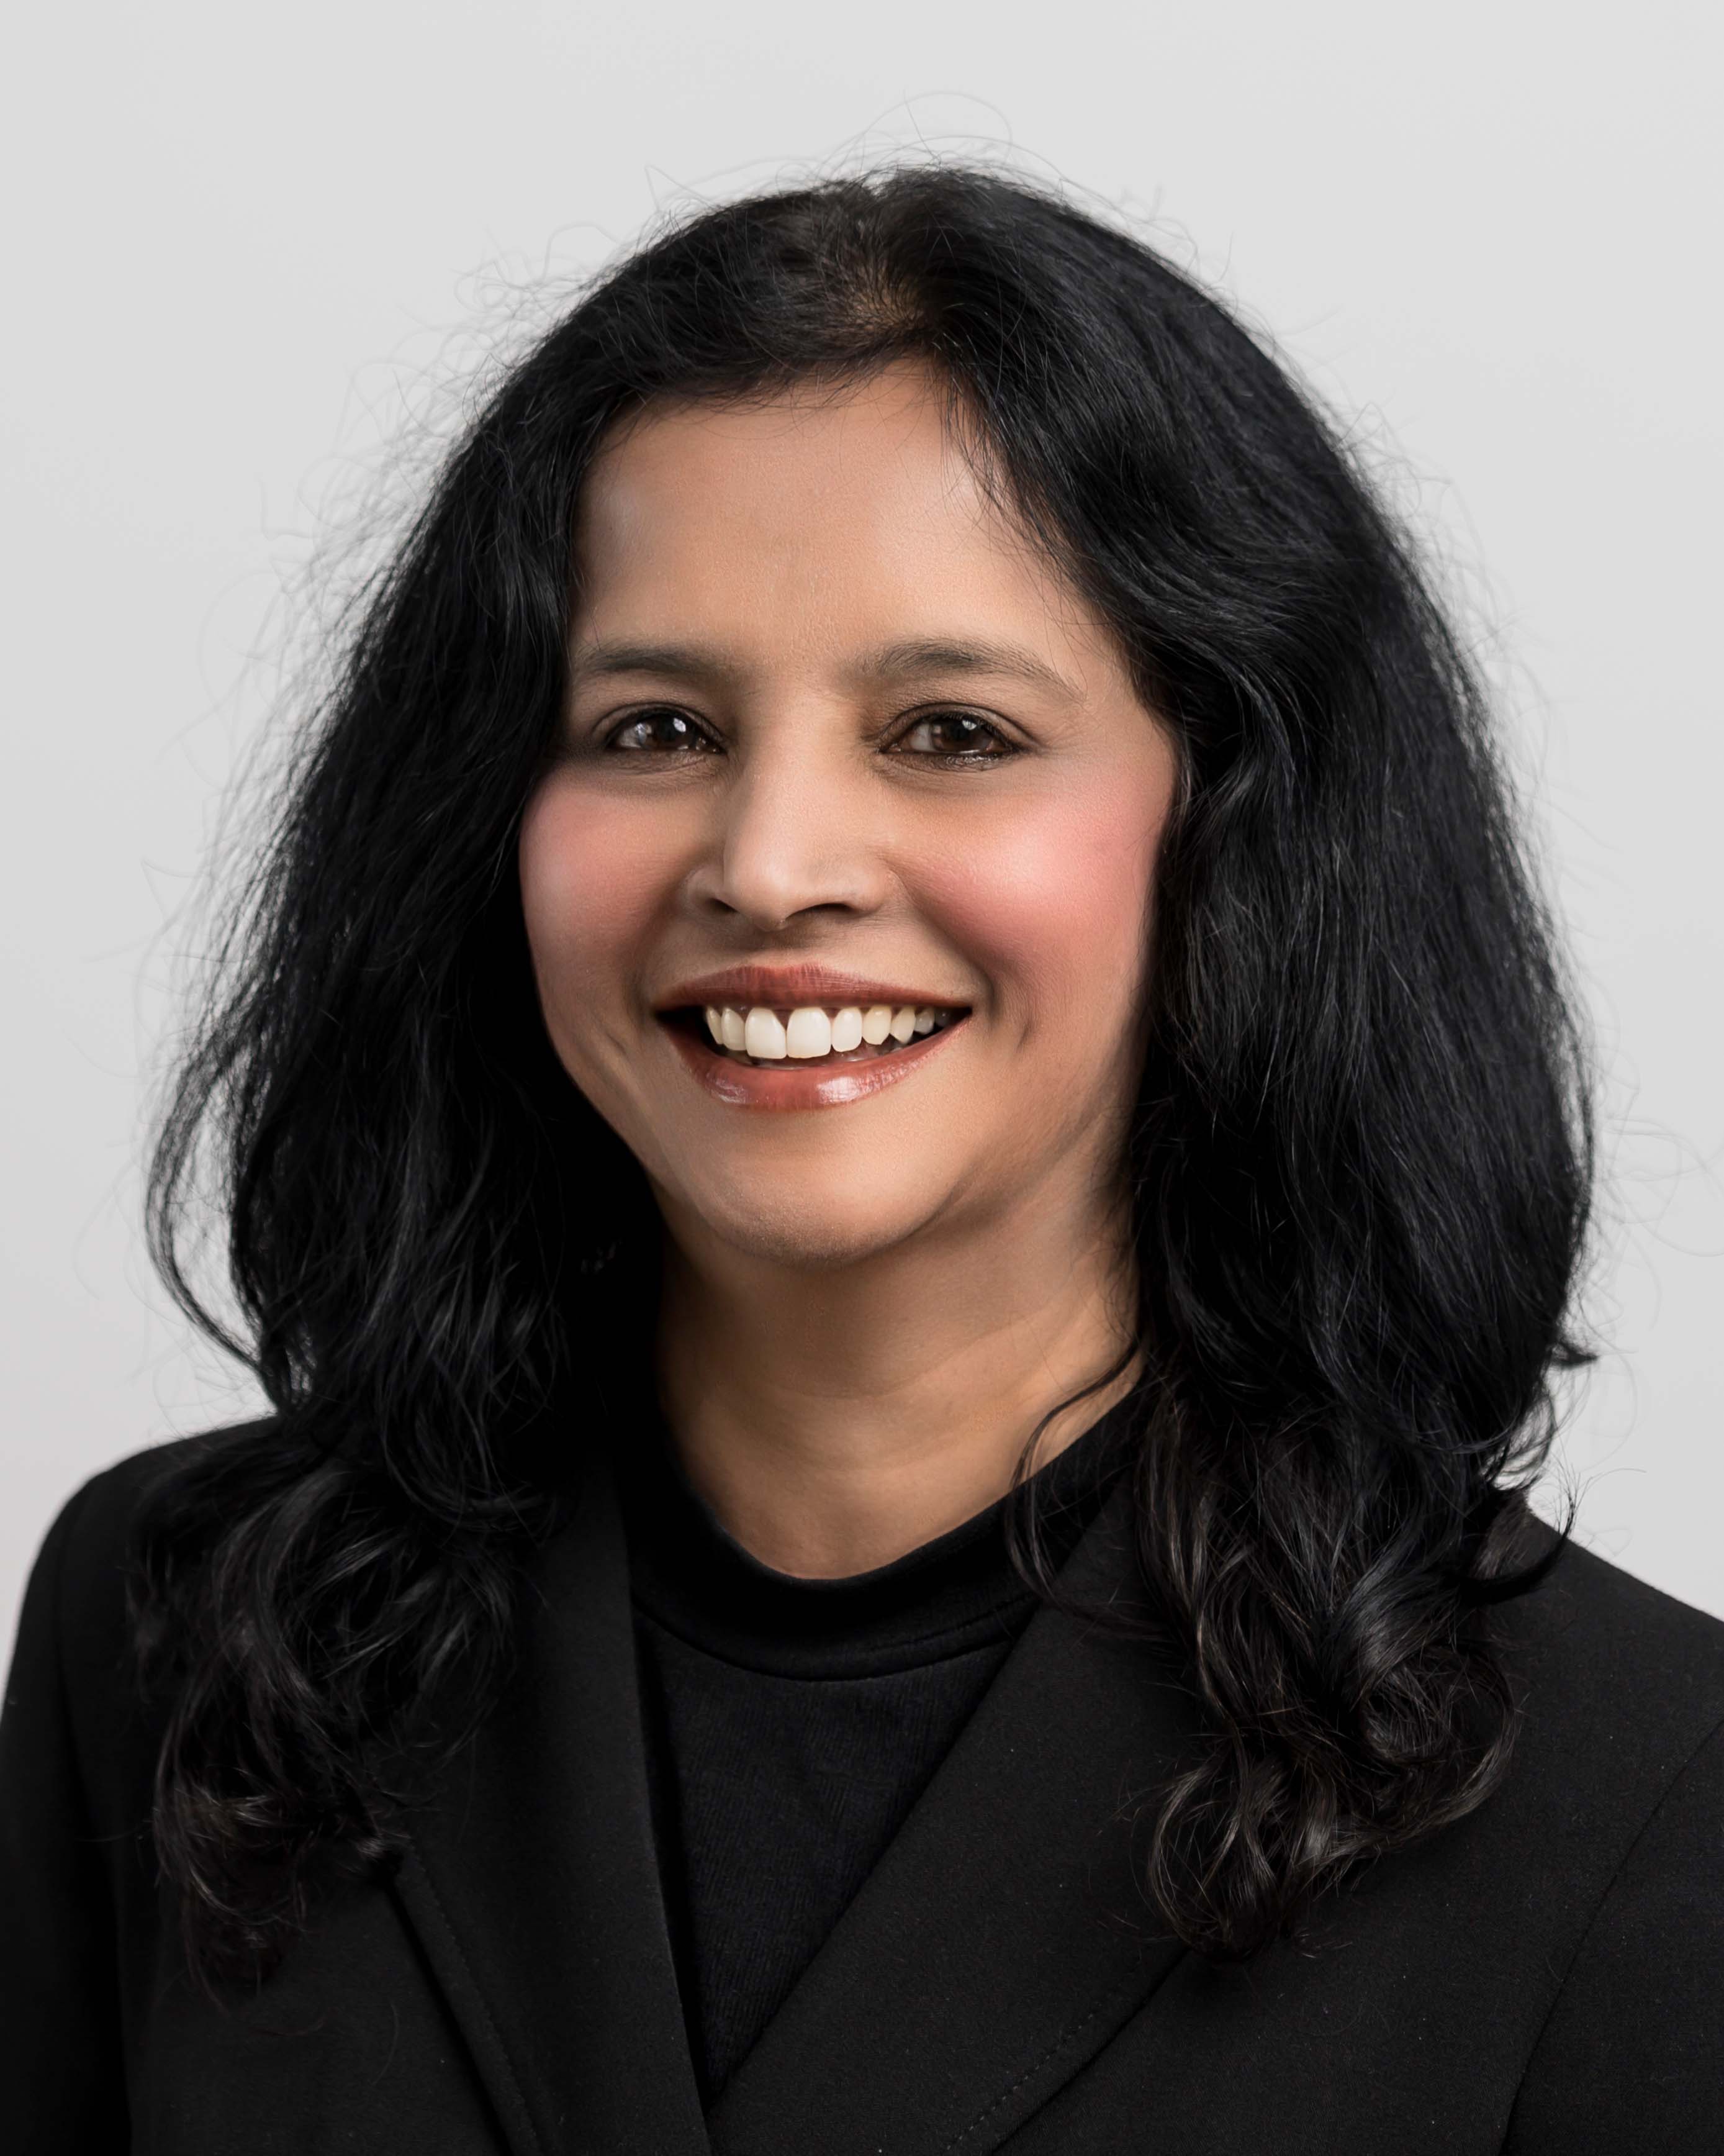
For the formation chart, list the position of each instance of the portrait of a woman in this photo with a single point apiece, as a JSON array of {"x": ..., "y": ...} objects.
[{"x": 905, "y": 1153}]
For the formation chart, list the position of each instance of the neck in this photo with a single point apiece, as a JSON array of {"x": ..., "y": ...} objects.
[{"x": 833, "y": 1419}]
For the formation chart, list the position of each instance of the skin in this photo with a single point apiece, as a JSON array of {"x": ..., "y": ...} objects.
[{"x": 867, "y": 1307}]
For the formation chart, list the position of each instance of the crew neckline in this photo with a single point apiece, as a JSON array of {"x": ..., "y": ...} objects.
[{"x": 953, "y": 1594}]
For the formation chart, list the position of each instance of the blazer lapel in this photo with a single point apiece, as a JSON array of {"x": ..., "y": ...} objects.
[
  {"x": 1001, "y": 1941},
  {"x": 533, "y": 1884}
]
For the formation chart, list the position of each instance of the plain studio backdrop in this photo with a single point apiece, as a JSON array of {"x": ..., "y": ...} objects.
[{"x": 245, "y": 248}]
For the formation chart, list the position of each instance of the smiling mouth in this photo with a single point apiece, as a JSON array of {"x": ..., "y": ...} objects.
[{"x": 812, "y": 1036}]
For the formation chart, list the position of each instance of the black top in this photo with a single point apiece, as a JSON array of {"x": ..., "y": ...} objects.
[
  {"x": 791, "y": 1724},
  {"x": 1542, "y": 1978}
]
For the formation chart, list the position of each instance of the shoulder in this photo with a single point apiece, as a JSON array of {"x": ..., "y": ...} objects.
[
  {"x": 77, "y": 1735},
  {"x": 76, "y": 1595},
  {"x": 1616, "y": 1785},
  {"x": 94, "y": 1522},
  {"x": 1621, "y": 1711},
  {"x": 1614, "y": 1669}
]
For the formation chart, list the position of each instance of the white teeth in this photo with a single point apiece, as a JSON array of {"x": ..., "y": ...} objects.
[
  {"x": 812, "y": 1032},
  {"x": 809, "y": 1034},
  {"x": 763, "y": 1036}
]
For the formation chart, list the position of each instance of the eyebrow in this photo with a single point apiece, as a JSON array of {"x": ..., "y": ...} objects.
[
  {"x": 600, "y": 661},
  {"x": 912, "y": 657},
  {"x": 937, "y": 654}
]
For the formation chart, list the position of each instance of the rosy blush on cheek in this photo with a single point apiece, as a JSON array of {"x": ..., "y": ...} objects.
[
  {"x": 1054, "y": 904},
  {"x": 594, "y": 883}
]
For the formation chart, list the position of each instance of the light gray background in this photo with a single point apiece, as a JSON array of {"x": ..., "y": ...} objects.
[{"x": 242, "y": 245}]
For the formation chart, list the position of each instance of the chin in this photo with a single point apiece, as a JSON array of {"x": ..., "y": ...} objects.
[{"x": 811, "y": 1227}]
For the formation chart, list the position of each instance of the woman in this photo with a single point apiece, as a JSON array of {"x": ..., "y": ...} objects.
[{"x": 906, "y": 1160}]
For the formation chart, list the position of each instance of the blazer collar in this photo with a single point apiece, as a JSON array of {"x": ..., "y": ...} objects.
[
  {"x": 998, "y": 1944},
  {"x": 1002, "y": 1939},
  {"x": 533, "y": 1884}
]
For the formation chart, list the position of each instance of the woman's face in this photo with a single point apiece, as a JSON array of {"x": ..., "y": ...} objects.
[{"x": 841, "y": 746}]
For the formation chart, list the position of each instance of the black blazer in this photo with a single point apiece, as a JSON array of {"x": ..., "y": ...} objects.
[{"x": 1546, "y": 1976}]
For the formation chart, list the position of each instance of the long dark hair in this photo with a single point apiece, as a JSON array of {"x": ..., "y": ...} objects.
[{"x": 1359, "y": 1167}]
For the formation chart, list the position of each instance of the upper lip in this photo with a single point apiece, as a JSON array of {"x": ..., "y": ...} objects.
[{"x": 794, "y": 986}]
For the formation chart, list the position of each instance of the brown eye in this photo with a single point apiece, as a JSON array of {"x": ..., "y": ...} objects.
[
  {"x": 659, "y": 733},
  {"x": 955, "y": 737}
]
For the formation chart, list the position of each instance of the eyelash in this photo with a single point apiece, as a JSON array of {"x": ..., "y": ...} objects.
[{"x": 951, "y": 757}]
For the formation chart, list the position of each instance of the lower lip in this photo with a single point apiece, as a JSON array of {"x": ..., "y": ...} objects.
[{"x": 792, "y": 1086}]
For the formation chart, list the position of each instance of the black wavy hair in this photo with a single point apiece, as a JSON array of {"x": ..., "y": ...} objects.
[{"x": 1359, "y": 1167}]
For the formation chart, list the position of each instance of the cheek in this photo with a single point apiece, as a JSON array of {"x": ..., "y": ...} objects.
[
  {"x": 593, "y": 884},
  {"x": 1053, "y": 905}
]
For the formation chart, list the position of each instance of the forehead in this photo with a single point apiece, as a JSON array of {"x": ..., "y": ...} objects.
[
  {"x": 768, "y": 462},
  {"x": 823, "y": 513}
]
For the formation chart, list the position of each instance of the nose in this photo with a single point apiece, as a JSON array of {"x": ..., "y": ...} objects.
[{"x": 792, "y": 839}]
